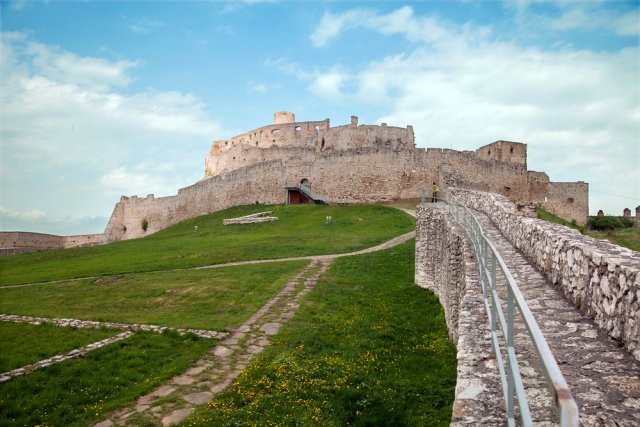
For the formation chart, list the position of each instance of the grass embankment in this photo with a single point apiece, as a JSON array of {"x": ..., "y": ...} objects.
[
  {"x": 625, "y": 237},
  {"x": 23, "y": 344},
  {"x": 367, "y": 347},
  {"x": 300, "y": 230},
  {"x": 78, "y": 391},
  {"x": 218, "y": 299}
]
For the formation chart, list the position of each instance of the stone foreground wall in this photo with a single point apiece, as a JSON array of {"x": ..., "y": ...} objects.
[
  {"x": 600, "y": 278},
  {"x": 445, "y": 264}
]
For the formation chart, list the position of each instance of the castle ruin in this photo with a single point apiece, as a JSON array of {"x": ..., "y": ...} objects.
[{"x": 351, "y": 163}]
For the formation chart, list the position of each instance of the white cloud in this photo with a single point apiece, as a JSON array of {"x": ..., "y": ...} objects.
[
  {"x": 92, "y": 73},
  {"x": 142, "y": 179},
  {"x": 256, "y": 87},
  {"x": 22, "y": 215},
  {"x": 145, "y": 24},
  {"x": 401, "y": 21},
  {"x": 18, "y": 4},
  {"x": 65, "y": 114},
  {"x": 563, "y": 15},
  {"x": 577, "y": 109}
]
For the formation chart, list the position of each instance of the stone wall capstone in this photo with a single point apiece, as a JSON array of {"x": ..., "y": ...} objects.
[{"x": 600, "y": 278}]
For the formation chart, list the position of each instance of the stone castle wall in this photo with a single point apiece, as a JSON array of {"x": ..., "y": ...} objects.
[
  {"x": 600, "y": 278},
  {"x": 15, "y": 242},
  {"x": 345, "y": 164},
  {"x": 446, "y": 265},
  {"x": 362, "y": 175}
]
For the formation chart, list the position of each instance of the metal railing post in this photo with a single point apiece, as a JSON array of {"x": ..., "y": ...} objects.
[{"x": 510, "y": 346}]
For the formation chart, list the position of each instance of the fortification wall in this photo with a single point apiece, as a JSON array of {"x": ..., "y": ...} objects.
[
  {"x": 445, "y": 264},
  {"x": 601, "y": 278},
  {"x": 568, "y": 200},
  {"x": 262, "y": 144},
  {"x": 368, "y": 174},
  {"x": 17, "y": 242},
  {"x": 504, "y": 151},
  {"x": 23, "y": 241}
]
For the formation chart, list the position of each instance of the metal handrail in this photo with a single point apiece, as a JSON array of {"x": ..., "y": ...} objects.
[
  {"x": 306, "y": 190},
  {"x": 489, "y": 261}
]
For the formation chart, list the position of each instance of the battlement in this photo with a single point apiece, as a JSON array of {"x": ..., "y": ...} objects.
[{"x": 315, "y": 136}]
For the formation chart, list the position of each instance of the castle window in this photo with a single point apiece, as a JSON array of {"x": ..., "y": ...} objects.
[
  {"x": 256, "y": 143},
  {"x": 317, "y": 128},
  {"x": 511, "y": 149},
  {"x": 570, "y": 200},
  {"x": 298, "y": 128},
  {"x": 322, "y": 145},
  {"x": 489, "y": 151}
]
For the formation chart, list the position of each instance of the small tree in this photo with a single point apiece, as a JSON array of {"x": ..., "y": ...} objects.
[{"x": 145, "y": 224}]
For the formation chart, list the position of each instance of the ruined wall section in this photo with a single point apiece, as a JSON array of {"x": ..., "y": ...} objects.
[
  {"x": 599, "y": 277},
  {"x": 369, "y": 174},
  {"x": 18, "y": 242},
  {"x": 568, "y": 200},
  {"x": 504, "y": 151},
  {"x": 263, "y": 144}
]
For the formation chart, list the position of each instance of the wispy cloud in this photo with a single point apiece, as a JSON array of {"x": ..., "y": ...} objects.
[
  {"x": 146, "y": 24},
  {"x": 401, "y": 21},
  {"x": 67, "y": 113},
  {"x": 462, "y": 85}
]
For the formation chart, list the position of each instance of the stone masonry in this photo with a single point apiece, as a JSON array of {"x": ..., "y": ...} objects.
[
  {"x": 603, "y": 377},
  {"x": 353, "y": 163},
  {"x": 600, "y": 278},
  {"x": 446, "y": 265}
]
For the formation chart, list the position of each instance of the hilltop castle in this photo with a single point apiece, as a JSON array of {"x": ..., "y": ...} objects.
[{"x": 352, "y": 163}]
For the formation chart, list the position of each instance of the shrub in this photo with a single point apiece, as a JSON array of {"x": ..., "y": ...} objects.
[
  {"x": 603, "y": 223},
  {"x": 145, "y": 224}
]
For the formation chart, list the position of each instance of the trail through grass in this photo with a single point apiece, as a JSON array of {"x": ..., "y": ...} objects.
[
  {"x": 23, "y": 344},
  {"x": 300, "y": 231},
  {"x": 367, "y": 347},
  {"x": 218, "y": 299}
]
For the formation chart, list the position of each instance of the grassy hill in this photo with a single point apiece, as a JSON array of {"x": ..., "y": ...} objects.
[{"x": 301, "y": 230}]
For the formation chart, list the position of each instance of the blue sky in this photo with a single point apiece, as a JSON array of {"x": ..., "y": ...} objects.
[{"x": 105, "y": 98}]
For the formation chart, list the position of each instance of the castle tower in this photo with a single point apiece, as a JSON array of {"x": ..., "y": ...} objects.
[{"x": 281, "y": 117}]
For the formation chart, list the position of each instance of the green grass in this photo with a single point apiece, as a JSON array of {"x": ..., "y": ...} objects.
[
  {"x": 78, "y": 391},
  {"x": 300, "y": 230},
  {"x": 625, "y": 237},
  {"x": 218, "y": 299},
  {"x": 367, "y": 347},
  {"x": 22, "y": 344}
]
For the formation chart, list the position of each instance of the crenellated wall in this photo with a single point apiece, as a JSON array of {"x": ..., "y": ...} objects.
[{"x": 600, "y": 278}]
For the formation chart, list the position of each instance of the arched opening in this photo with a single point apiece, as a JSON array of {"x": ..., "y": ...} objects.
[
  {"x": 305, "y": 183},
  {"x": 322, "y": 145}
]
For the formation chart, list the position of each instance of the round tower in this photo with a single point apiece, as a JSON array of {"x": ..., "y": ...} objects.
[{"x": 283, "y": 117}]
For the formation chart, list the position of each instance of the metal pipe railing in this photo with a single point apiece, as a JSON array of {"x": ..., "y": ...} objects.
[{"x": 490, "y": 264}]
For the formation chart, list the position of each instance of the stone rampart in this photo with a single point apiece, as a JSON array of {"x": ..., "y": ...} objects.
[
  {"x": 445, "y": 264},
  {"x": 19, "y": 242},
  {"x": 370, "y": 174},
  {"x": 600, "y": 278}
]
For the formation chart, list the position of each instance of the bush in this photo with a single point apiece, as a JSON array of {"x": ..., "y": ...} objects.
[
  {"x": 603, "y": 223},
  {"x": 145, "y": 224}
]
